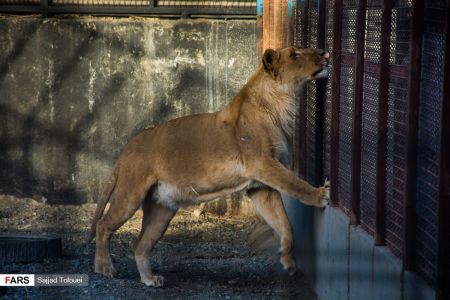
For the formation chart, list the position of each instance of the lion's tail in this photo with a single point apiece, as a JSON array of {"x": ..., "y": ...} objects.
[
  {"x": 263, "y": 239},
  {"x": 104, "y": 199}
]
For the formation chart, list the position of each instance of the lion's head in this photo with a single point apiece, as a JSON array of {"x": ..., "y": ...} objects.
[{"x": 296, "y": 65}]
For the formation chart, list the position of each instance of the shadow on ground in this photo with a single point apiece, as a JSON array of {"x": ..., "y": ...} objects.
[{"x": 201, "y": 258}]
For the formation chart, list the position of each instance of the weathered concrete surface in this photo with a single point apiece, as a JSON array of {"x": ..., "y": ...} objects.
[{"x": 74, "y": 90}]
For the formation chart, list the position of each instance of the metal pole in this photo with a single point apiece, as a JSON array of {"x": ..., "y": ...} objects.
[
  {"x": 321, "y": 88},
  {"x": 259, "y": 27},
  {"x": 411, "y": 135},
  {"x": 44, "y": 7},
  {"x": 443, "y": 272},
  {"x": 303, "y": 107},
  {"x": 357, "y": 112},
  {"x": 335, "y": 103},
  {"x": 383, "y": 98}
]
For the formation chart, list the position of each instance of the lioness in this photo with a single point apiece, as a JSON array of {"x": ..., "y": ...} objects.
[{"x": 199, "y": 158}]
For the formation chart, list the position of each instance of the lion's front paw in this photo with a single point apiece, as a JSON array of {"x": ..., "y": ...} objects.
[
  {"x": 289, "y": 264},
  {"x": 153, "y": 280},
  {"x": 325, "y": 195}
]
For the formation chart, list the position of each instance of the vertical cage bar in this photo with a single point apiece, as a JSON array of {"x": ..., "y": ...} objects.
[
  {"x": 44, "y": 7},
  {"x": 297, "y": 120},
  {"x": 443, "y": 271},
  {"x": 335, "y": 104},
  {"x": 277, "y": 31},
  {"x": 411, "y": 135},
  {"x": 304, "y": 7},
  {"x": 383, "y": 98},
  {"x": 291, "y": 22},
  {"x": 259, "y": 26},
  {"x": 280, "y": 25},
  {"x": 305, "y": 21},
  {"x": 266, "y": 29},
  {"x": 321, "y": 88},
  {"x": 357, "y": 111},
  {"x": 276, "y": 37}
]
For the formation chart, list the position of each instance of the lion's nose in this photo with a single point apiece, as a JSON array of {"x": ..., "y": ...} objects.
[{"x": 326, "y": 54}]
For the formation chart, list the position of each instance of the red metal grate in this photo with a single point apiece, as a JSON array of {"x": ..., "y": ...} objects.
[
  {"x": 401, "y": 208},
  {"x": 311, "y": 151},
  {"x": 301, "y": 115},
  {"x": 349, "y": 26},
  {"x": 345, "y": 137},
  {"x": 313, "y": 20},
  {"x": 327, "y": 128},
  {"x": 428, "y": 142},
  {"x": 347, "y": 94},
  {"x": 369, "y": 152},
  {"x": 397, "y": 124},
  {"x": 369, "y": 119}
]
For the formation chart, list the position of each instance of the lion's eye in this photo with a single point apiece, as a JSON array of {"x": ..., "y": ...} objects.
[{"x": 294, "y": 55}]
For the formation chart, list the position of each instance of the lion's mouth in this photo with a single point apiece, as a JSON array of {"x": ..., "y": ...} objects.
[
  {"x": 325, "y": 63},
  {"x": 321, "y": 73},
  {"x": 317, "y": 72}
]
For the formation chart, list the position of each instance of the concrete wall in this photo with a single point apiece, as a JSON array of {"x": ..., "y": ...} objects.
[
  {"x": 74, "y": 90},
  {"x": 342, "y": 262}
]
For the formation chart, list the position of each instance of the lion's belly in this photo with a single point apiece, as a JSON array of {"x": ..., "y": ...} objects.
[{"x": 175, "y": 197}]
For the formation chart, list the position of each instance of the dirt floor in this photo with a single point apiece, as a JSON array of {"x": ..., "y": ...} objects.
[{"x": 201, "y": 257}]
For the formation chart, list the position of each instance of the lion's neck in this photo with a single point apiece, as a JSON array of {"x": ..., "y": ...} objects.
[
  {"x": 263, "y": 95},
  {"x": 273, "y": 98}
]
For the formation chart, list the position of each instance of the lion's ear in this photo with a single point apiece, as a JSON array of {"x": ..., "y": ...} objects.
[{"x": 270, "y": 59}]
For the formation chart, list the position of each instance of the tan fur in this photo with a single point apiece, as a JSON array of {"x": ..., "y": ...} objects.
[{"x": 198, "y": 158}]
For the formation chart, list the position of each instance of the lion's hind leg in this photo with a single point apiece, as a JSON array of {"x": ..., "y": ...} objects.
[
  {"x": 269, "y": 205},
  {"x": 155, "y": 222},
  {"x": 125, "y": 200}
]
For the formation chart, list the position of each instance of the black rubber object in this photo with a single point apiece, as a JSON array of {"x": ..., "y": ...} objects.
[{"x": 28, "y": 247}]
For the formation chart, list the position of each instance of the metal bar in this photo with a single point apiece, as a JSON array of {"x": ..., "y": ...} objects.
[
  {"x": 127, "y": 10},
  {"x": 411, "y": 136},
  {"x": 291, "y": 22},
  {"x": 266, "y": 25},
  {"x": 443, "y": 263},
  {"x": 44, "y": 4},
  {"x": 20, "y": 9},
  {"x": 276, "y": 28},
  {"x": 271, "y": 27},
  {"x": 297, "y": 19},
  {"x": 297, "y": 133},
  {"x": 302, "y": 95},
  {"x": 321, "y": 89},
  {"x": 259, "y": 27},
  {"x": 357, "y": 112},
  {"x": 383, "y": 96},
  {"x": 335, "y": 103},
  {"x": 278, "y": 39},
  {"x": 305, "y": 20},
  {"x": 291, "y": 32}
]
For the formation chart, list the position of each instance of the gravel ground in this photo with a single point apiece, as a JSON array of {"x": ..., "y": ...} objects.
[{"x": 202, "y": 257}]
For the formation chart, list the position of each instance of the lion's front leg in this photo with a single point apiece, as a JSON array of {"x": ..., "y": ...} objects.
[
  {"x": 269, "y": 205},
  {"x": 274, "y": 174}
]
